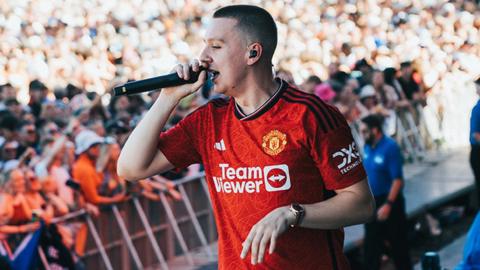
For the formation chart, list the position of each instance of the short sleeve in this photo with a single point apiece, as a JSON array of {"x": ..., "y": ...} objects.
[
  {"x": 475, "y": 120},
  {"x": 395, "y": 161},
  {"x": 178, "y": 144},
  {"x": 336, "y": 156}
]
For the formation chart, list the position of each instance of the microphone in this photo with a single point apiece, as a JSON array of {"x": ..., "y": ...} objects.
[{"x": 155, "y": 83}]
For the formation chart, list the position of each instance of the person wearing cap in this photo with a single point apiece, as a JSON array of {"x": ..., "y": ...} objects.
[
  {"x": 87, "y": 149},
  {"x": 475, "y": 141},
  {"x": 369, "y": 98},
  {"x": 325, "y": 92}
]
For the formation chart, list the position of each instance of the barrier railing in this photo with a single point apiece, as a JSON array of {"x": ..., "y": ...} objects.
[
  {"x": 141, "y": 233},
  {"x": 183, "y": 229}
]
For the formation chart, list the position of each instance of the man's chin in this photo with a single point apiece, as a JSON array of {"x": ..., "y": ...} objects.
[{"x": 218, "y": 89}]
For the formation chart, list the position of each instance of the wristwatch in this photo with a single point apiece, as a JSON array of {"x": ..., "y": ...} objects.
[
  {"x": 299, "y": 212},
  {"x": 390, "y": 202}
]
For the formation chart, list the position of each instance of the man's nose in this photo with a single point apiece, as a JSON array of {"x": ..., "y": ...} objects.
[{"x": 205, "y": 57}]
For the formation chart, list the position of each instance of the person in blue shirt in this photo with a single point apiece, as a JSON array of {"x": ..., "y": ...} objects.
[
  {"x": 383, "y": 163},
  {"x": 475, "y": 141}
]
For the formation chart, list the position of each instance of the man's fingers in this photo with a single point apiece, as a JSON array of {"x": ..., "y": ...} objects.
[
  {"x": 186, "y": 71},
  {"x": 255, "y": 243},
  {"x": 263, "y": 246},
  {"x": 247, "y": 242},
  {"x": 201, "y": 80},
  {"x": 273, "y": 242},
  {"x": 179, "y": 70},
  {"x": 195, "y": 65}
]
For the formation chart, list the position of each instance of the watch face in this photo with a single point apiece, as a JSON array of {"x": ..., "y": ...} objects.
[{"x": 297, "y": 207}]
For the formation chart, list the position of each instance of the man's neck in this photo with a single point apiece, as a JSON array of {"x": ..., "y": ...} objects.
[
  {"x": 378, "y": 138},
  {"x": 257, "y": 90}
]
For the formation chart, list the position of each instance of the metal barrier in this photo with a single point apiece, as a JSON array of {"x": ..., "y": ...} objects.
[
  {"x": 173, "y": 231},
  {"x": 409, "y": 136},
  {"x": 117, "y": 239}
]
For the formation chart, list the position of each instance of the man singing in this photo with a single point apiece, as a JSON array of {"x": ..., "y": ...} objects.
[{"x": 272, "y": 154}]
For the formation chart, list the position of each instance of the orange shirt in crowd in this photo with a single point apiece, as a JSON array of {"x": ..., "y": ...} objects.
[{"x": 89, "y": 179}]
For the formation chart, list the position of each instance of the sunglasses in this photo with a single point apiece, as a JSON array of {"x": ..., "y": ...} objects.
[{"x": 52, "y": 131}]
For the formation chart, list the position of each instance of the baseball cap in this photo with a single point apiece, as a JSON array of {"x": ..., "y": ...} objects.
[
  {"x": 325, "y": 92},
  {"x": 86, "y": 139},
  {"x": 367, "y": 91}
]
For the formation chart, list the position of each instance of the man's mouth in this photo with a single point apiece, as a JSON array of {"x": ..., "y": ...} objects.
[{"x": 213, "y": 74}]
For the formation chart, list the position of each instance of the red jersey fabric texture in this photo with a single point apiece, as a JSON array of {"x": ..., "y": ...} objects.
[{"x": 294, "y": 148}]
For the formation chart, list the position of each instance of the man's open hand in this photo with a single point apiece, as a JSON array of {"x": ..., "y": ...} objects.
[{"x": 266, "y": 231}]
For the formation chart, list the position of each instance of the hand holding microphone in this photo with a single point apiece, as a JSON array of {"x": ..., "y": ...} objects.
[
  {"x": 185, "y": 79},
  {"x": 198, "y": 74}
]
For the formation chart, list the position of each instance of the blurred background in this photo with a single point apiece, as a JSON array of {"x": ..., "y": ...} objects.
[{"x": 414, "y": 62}]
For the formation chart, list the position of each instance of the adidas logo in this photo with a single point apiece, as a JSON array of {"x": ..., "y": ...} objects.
[{"x": 220, "y": 146}]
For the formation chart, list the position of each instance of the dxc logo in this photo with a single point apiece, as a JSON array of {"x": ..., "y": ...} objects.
[{"x": 347, "y": 155}]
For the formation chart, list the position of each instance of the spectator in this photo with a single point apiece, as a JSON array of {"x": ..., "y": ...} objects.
[
  {"x": 87, "y": 148},
  {"x": 390, "y": 78},
  {"x": 38, "y": 94},
  {"x": 36, "y": 202},
  {"x": 14, "y": 107},
  {"x": 475, "y": 141},
  {"x": 50, "y": 191},
  {"x": 10, "y": 155},
  {"x": 369, "y": 99},
  {"x": 55, "y": 164},
  {"x": 107, "y": 164},
  {"x": 22, "y": 213},
  {"x": 410, "y": 86},
  {"x": 28, "y": 137},
  {"x": 349, "y": 105},
  {"x": 7, "y": 91},
  {"x": 383, "y": 163},
  {"x": 325, "y": 92},
  {"x": 366, "y": 71},
  {"x": 8, "y": 126},
  {"x": 387, "y": 94},
  {"x": 309, "y": 85}
]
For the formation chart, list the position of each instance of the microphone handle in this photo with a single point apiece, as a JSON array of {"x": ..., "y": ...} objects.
[{"x": 155, "y": 83}]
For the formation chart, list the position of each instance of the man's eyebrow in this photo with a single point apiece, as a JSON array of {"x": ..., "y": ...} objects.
[{"x": 210, "y": 40}]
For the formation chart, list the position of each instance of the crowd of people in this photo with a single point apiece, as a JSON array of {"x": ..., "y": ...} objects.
[
  {"x": 62, "y": 131},
  {"x": 94, "y": 45},
  {"x": 52, "y": 166}
]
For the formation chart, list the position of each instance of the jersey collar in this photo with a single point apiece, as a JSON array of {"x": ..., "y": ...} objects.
[{"x": 265, "y": 106}]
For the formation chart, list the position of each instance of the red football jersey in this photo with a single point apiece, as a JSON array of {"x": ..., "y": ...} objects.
[{"x": 292, "y": 149}]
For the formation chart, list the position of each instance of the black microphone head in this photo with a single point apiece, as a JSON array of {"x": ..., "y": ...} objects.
[{"x": 120, "y": 90}]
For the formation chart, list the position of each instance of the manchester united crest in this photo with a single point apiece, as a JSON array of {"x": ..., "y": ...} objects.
[{"x": 274, "y": 142}]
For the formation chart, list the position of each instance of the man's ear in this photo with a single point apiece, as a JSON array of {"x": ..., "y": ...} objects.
[{"x": 254, "y": 53}]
